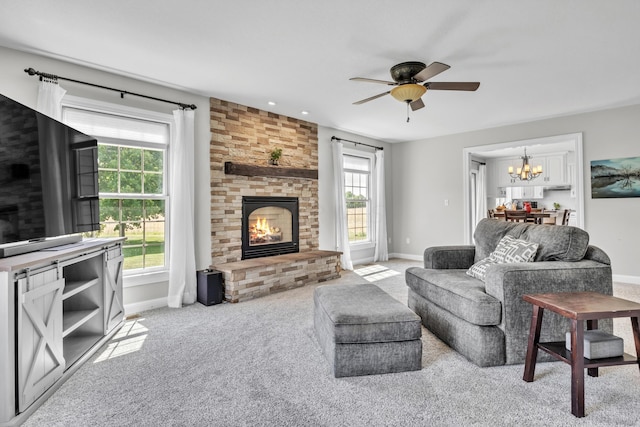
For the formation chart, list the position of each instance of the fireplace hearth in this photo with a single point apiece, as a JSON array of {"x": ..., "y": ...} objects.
[{"x": 269, "y": 226}]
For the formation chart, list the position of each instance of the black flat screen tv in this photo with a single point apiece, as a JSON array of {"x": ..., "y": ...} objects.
[{"x": 48, "y": 180}]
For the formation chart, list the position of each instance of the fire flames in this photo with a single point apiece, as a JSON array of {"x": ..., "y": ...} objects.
[
  {"x": 262, "y": 227},
  {"x": 262, "y": 232}
]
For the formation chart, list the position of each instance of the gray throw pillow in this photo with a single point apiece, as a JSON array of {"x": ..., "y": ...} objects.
[
  {"x": 479, "y": 269},
  {"x": 509, "y": 249}
]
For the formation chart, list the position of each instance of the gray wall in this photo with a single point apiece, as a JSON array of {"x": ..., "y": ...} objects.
[
  {"x": 18, "y": 85},
  {"x": 427, "y": 172}
]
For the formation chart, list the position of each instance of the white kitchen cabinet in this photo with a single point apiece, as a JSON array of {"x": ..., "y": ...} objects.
[
  {"x": 502, "y": 171},
  {"x": 525, "y": 193},
  {"x": 554, "y": 169},
  {"x": 57, "y": 307}
]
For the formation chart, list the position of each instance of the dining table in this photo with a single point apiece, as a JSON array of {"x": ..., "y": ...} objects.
[{"x": 536, "y": 216}]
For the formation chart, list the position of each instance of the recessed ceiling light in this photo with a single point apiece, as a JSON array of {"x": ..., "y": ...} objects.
[
  {"x": 305, "y": 112},
  {"x": 271, "y": 103}
]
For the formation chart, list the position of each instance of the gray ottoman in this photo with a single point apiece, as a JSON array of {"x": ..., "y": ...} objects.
[{"x": 363, "y": 330}]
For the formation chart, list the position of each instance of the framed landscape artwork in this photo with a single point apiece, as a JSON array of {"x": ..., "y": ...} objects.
[{"x": 615, "y": 178}]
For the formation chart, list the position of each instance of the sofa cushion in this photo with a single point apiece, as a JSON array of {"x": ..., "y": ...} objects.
[
  {"x": 364, "y": 313},
  {"x": 456, "y": 292},
  {"x": 563, "y": 243},
  {"x": 487, "y": 235}
]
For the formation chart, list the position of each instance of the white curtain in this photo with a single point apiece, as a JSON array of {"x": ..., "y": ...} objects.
[
  {"x": 481, "y": 194},
  {"x": 381, "y": 252},
  {"x": 50, "y": 96},
  {"x": 49, "y": 102},
  {"x": 182, "y": 261},
  {"x": 342, "y": 236}
]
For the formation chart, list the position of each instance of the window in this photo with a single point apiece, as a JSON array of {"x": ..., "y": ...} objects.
[
  {"x": 132, "y": 165},
  {"x": 357, "y": 182}
]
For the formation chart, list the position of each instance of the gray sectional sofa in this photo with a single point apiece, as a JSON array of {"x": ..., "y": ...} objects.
[{"x": 487, "y": 321}]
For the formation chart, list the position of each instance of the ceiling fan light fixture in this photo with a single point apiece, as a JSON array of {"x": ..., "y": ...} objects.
[{"x": 408, "y": 92}]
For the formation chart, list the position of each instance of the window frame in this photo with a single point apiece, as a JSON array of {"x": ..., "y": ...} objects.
[
  {"x": 142, "y": 276},
  {"x": 370, "y": 242}
]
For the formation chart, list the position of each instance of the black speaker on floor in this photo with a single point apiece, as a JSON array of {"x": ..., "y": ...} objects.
[{"x": 210, "y": 287}]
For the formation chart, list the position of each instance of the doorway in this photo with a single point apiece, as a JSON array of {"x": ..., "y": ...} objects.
[{"x": 568, "y": 142}]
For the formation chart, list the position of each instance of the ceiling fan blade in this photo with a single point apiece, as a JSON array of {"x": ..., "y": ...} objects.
[
  {"x": 364, "y": 79},
  {"x": 471, "y": 86},
  {"x": 371, "y": 98},
  {"x": 430, "y": 71},
  {"x": 417, "y": 104}
]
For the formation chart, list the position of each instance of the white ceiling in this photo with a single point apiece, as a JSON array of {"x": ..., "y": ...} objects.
[{"x": 534, "y": 58}]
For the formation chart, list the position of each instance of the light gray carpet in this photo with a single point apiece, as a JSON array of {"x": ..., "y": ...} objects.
[{"x": 258, "y": 363}]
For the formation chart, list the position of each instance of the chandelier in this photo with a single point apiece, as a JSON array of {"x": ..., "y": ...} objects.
[{"x": 526, "y": 172}]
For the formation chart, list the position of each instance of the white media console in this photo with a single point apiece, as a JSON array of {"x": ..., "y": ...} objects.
[{"x": 57, "y": 307}]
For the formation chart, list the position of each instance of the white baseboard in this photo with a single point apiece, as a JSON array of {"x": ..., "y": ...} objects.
[
  {"x": 392, "y": 255},
  {"x": 361, "y": 261},
  {"x": 406, "y": 256},
  {"x": 634, "y": 280},
  {"x": 141, "y": 306}
]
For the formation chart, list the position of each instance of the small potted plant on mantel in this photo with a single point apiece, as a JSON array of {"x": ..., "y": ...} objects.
[{"x": 275, "y": 155}]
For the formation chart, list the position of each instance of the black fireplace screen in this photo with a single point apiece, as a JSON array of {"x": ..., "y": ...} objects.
[{"x": 269, "y": 226}]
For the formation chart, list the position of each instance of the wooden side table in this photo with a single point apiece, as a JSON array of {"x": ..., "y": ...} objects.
[{"x": 578, "y": 307}]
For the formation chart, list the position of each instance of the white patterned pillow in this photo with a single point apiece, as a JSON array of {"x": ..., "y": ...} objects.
[
  {"x": 510, "y": 249},
  {"x": 479, "y": 269}
]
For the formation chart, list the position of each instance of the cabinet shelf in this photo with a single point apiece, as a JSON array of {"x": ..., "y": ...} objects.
[
  {"x": 72, "y": 320},
  {"x": 77, "y": 345},
  {"x": 75, "y": 287}
]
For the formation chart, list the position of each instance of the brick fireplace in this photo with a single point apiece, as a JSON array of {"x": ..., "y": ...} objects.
[{"x": 241, "y": 139}]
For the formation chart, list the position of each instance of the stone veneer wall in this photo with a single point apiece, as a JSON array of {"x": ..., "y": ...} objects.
[{"x": 247, "y": 135}]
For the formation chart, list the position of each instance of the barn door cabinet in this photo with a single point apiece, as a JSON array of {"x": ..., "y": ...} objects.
[{"x": 57, "y": 307}]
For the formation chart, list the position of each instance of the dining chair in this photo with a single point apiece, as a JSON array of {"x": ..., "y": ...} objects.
[
  {"x": 515, "y": 216},
  {"x": 548, "y": 221},
  {"x": 565, "y": 216}
]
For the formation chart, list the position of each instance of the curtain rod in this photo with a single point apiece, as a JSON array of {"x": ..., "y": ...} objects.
[
  {"x": 482, "y": 163},
  {"x": 33, "y": 72},
  {"x": 335, "y": 138}
]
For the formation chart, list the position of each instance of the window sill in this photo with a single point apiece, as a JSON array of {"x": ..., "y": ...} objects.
[{"x": 146, "y": 278}]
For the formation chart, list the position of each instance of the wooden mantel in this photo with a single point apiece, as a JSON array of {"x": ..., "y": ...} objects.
[{"x": 231, "y": 168}]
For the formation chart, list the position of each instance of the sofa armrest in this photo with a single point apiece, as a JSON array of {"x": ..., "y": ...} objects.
[
  {"x": 509, "y": 282},
  {"x": 594, "y": 253},
  {"x": 448, "y": 257}
]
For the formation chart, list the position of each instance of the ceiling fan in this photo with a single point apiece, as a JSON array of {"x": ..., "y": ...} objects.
[{"x": 410, "y": 81}]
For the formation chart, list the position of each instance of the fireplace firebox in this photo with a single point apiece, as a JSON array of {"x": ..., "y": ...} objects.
[{"x": 269, "y": 226}]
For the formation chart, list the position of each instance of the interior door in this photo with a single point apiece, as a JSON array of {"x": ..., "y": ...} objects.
[
  {"x": 114, "y": 306},
  {"x": 40, "y": 357}
]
